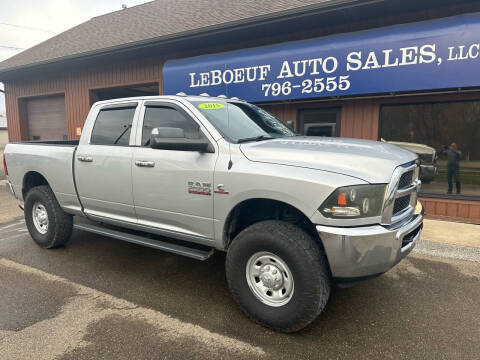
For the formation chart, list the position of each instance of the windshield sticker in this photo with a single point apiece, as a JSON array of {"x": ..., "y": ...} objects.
[{"x": 211, "y": 106}]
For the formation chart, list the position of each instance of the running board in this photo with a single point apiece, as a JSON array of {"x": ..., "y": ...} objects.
[{"x": 141, "y": 240}]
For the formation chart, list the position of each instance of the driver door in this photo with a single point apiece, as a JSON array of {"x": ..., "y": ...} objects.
[{"x": 165, "y": 182}]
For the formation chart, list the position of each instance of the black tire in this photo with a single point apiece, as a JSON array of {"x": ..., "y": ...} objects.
[
  {"x": 306, "y": 261},
  {"x": 60, "y": 224}
]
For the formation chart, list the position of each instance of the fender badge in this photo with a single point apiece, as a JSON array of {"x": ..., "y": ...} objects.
[
  {"x": 221, "y": 189},
  {"x": 199, "y": 188}
]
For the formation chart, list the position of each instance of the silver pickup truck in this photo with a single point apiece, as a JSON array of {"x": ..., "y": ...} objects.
[{"x": 194, "y": 174}]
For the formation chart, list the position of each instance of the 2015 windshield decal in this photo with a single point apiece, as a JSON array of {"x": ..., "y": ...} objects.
[{"x": 210, "y": 106}]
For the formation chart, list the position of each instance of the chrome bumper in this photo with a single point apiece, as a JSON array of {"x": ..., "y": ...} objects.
[{"x": 361, "y": 252}]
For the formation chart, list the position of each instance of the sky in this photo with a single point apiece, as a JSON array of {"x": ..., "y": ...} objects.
[{"x": 25, "y": 23}]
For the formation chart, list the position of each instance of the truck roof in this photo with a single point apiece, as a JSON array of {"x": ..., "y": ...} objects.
[{"x": 179, "y": 96}]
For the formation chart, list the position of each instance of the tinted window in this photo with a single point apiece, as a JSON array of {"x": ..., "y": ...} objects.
[
  {"x": 113, "y": 127},
  {"x": 163, "y": 116},
  {"x": 445, "y": 138}
]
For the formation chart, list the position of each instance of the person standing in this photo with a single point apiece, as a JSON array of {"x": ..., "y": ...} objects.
[{"x": 453, "y": 167}]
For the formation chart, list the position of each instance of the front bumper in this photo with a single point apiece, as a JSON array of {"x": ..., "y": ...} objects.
[{"x": 362, "y": 252}]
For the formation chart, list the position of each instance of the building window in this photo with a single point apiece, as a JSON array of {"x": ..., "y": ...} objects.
[
  {"x": 445, "y": 137},
  {"x": 319, "y": 122}
]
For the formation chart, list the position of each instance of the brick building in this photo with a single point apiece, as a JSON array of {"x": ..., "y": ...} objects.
[{"x": 319, "y": 75}]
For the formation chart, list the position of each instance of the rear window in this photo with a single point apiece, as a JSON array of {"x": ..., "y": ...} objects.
[{"x": 113, "y": 127}]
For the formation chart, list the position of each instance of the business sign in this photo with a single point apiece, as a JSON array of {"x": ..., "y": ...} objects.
[{"x": 426, "y": 55}]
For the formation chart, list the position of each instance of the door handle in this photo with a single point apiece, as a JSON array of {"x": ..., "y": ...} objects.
[
  {"x": 85, "y": 158},
  {"x": 142, "y": 163}
]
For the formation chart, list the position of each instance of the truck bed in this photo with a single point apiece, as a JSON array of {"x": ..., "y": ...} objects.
[{"x": 51, "y": 159}]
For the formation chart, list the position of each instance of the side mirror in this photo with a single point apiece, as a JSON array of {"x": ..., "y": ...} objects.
[{"x": 168, "y": 138}]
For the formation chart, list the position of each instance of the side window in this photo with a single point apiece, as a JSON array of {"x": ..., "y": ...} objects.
[
  {"x": 164, "y": 116},
  {"x": 113, "y": 126}
]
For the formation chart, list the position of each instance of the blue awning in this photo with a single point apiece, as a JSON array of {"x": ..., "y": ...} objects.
[{"x": 436, "y": 54}]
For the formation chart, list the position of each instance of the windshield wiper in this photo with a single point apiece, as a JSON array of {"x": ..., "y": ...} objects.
[
  {"x": 254, "y": 138},
  {"x": 127, "y": 127}
]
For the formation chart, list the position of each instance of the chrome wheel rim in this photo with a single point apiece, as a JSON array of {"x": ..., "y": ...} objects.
[
  {"x": 40, "y": 218},
  {"x": 270, "y": 279}
]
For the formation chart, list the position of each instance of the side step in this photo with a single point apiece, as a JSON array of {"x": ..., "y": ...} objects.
[{"x": 141, "y": 240}]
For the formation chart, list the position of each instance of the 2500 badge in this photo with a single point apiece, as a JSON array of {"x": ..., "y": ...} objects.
[{"x": 199, "y": 188}]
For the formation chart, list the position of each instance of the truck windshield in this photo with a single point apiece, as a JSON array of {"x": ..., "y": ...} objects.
[{"x": 242, "y": 122}]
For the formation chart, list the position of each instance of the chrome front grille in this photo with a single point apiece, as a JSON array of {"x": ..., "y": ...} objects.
[
  {"x": 401, "y": 196},
  {"x": 401, "y": 203},
  {"x": 406, "y": 180}
]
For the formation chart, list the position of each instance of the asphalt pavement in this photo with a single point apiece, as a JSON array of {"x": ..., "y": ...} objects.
[{"x": 102, "y": 298}]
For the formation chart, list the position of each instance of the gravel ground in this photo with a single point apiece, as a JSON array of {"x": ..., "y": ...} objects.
[{"x": 433, "y": 248}]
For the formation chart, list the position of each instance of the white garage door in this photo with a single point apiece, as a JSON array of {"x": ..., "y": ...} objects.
[{"x": 46, "y": 118}]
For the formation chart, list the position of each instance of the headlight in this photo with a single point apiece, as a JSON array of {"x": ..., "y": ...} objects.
[{"x": 355, "y": 202}]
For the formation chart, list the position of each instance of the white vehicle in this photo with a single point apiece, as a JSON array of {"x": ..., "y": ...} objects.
[
  {"x": 193, "y": 174},
  {"x": 427, "y": 157}
]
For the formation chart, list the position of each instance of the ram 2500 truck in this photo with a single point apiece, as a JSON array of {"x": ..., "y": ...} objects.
[{"x": 194, "y": 174}]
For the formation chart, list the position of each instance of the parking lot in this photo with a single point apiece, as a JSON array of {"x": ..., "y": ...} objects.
[{"x": 101, "y": 298}]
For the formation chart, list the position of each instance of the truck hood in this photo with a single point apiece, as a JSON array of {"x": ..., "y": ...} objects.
[
  {"x": 416, "y": 148},
  {"x": 371, "y": 161}
]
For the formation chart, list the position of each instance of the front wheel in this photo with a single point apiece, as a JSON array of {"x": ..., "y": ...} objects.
[
  {"x": 278, "y": 275},
  {"x": 48, "y": 224}
]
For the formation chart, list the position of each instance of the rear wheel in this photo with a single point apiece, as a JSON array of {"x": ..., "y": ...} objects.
[
  {"x": 278, "y": 275},
  {"x": 48, "y": 224}
]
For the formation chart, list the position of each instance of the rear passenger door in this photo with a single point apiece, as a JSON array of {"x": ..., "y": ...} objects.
[
  {"x": 103, "y": 167},
  {"x": 164, "y": 193}
]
